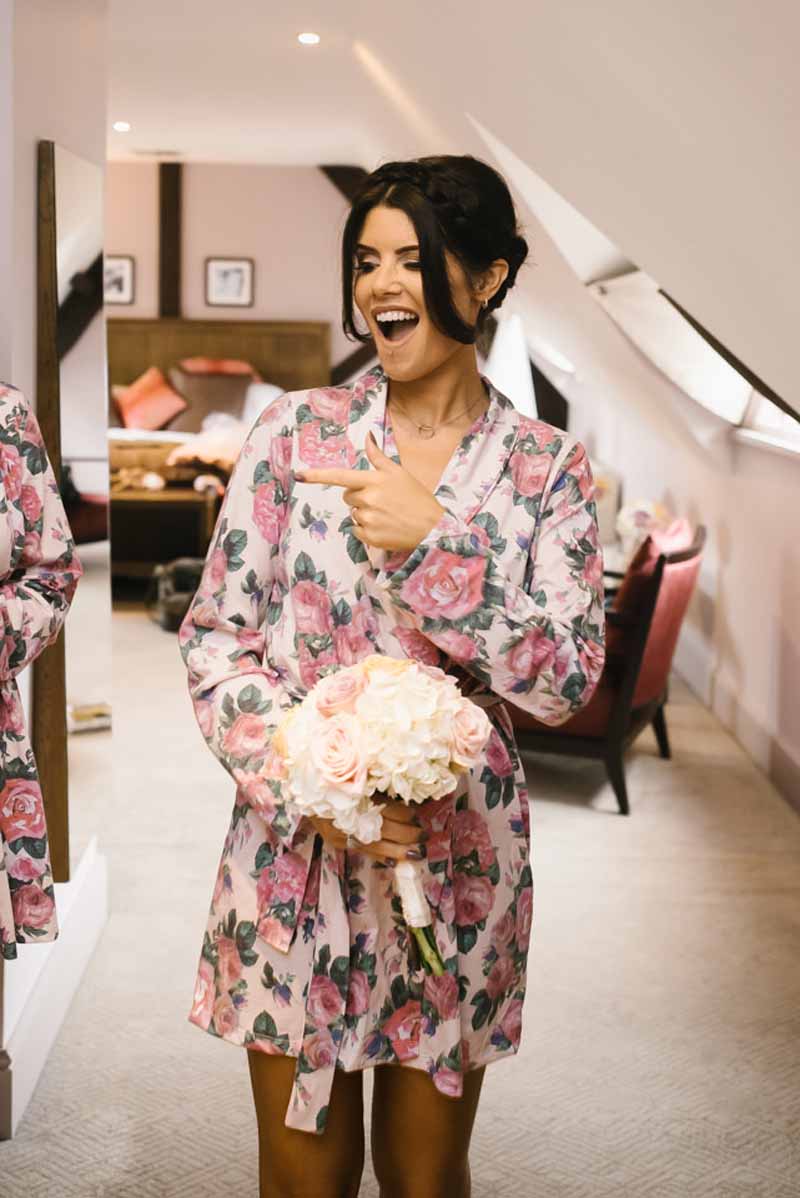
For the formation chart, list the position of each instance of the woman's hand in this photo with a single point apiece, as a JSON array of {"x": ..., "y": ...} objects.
[
  {"x": 402, "y": 838},
  {"x": 390, "y": 508}
]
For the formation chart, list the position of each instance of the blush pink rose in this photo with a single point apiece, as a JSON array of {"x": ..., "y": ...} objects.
[
  {"x": 502, "y": 977},
  {"x": 11, "y": 471},
  {"x": 529, "y": 472},
  {"x": 330, "y": 403},
  {"x": 316, "y": 450},
  {"x": 267, "y": 514},
  {"x": 246, "y": 736},
  {"x": 281, "y": 460},
  {"x": 457, "y": 644},
  {"x": 449, "y": 1082},
  {"x": 402, "y": 1029},
  {"x": 226, "y": 1017},
  {"x": 473, "y": 898},
  {"x": 217, "y": 569},
  {"x": 312, "y": 668},
  {"x": 21, "y": 809},
  {"x": 204, "y": 710},
  {"x": 497, "y": 756},
  {"x": 531, "y": 654},
  {"x": 338, "y": 692},
  {"x": 31, "y": 504},
  {"x": 324, "y": 1001},
  {"x": 469, "y": 733},
  {"x": 204, "y": 994},
  {"x": 319, "y": 1049},
  {"x": 230, "y": 965},
  {"x": 471, "y": 834},
  {"x": 357, "y": 992},
  {"x": 26, "y": 869},
  {"x": 350, "y": 643},
  {"x": 12, "y": 718},
  {"x": 289, "y": 872},
  {"x": 32, "y": 907},
  {"x": 511, "y": 1023},
  {"x": 504, "y": 931},
  {"x": 312, "y": 608},
  {"x": 336, "y": 754},
  {"x": 442, "y": 993},
  {"x": 524, "y": 918},
  {"x": 445, "y": 585},
  {"x": 417, "y": 646}
]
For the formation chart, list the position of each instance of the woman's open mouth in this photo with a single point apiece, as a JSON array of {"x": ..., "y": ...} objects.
[{"x": 397, "y": 332}]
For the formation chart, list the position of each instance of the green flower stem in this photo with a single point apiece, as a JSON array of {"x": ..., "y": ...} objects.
[{"x": 428, "y": 950}]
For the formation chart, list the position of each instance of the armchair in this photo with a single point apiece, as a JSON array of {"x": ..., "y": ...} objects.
[{"x": 642, "y": 627}]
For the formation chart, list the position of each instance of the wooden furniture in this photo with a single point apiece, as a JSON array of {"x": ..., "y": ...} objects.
[
  {"x": 642, "y": 627},
  {"x": 149, "y": 527},
  {"x": 294, "y": 354}
]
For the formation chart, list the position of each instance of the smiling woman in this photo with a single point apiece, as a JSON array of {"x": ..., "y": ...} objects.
[{"x": 464, "y": 536}]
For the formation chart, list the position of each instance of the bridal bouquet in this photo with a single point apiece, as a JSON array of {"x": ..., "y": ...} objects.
[{"x": 388, "y": 726}]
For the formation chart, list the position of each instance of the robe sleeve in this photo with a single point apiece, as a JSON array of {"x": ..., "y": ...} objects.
[
  {"x": 238, "y": 699},
  {"x": 36, "y": 594},
  {"x": 541, "y": 645}
]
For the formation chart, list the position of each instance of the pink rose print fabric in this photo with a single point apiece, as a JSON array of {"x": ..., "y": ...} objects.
[
  {"x": 39, "y": 571},
  {"x": 305, "y": 952}
]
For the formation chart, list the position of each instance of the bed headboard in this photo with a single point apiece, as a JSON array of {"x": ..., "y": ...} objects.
[{"x": 294, "y": 354}]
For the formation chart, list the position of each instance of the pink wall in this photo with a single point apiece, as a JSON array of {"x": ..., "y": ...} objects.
[
  {"x": 132, "y": 228},
  {"x": 288, "y": 219}
]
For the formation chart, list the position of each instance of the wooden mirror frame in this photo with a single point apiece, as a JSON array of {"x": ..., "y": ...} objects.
[{"x": 49, "y": 701}]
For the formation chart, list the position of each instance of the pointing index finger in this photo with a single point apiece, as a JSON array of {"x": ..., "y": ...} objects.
[{"x": 336, "y": 476}]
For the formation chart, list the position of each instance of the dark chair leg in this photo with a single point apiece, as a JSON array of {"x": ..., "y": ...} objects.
[
  {"x": 615, "y": 769},
  {"x": 660, "y": 728}
]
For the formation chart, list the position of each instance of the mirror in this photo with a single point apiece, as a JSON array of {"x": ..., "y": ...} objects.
[{"x": 74, "y": 189}]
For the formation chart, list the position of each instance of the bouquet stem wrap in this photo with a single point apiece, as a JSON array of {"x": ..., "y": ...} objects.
[{"x": 417, "y": 914}]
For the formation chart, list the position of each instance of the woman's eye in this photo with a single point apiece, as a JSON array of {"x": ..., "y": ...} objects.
[{"x": 363, "y": 267}]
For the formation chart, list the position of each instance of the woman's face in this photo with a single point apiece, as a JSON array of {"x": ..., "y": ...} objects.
[{"x": 387, "y": 275}]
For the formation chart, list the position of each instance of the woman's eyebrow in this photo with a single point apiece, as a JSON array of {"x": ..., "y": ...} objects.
[{"x": 403, "y": 249}]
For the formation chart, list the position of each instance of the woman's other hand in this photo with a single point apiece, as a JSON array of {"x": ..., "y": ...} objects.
[{"x": 402, "y": 839}]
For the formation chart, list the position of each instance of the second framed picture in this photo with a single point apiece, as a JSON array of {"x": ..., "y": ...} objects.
[{"x": 230, "y": 282}]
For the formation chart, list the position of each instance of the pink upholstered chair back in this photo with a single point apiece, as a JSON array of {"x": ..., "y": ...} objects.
[{"x": 677, "y": 584}]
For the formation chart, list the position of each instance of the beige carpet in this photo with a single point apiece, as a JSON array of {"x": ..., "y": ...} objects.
[{"x": 661, "y": 1051}]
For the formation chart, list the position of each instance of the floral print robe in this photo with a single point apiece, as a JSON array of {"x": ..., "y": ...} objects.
[
  {"x": 305, "y": 952},
  {"x": 39, "y": 571}
]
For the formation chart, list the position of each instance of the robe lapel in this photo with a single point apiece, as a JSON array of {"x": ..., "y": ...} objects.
[{"x": 476, "y": 466}]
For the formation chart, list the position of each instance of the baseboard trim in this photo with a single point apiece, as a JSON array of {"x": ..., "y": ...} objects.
[{"x": 41, "y": 983}]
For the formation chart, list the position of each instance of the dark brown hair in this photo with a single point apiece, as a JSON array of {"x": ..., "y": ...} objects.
[{"x": 456, "y": 203}]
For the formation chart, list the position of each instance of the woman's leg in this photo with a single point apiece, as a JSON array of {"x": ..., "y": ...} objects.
[
  {"x": 420, "y": 1138},
  {"x": 297, "y": 1164}
]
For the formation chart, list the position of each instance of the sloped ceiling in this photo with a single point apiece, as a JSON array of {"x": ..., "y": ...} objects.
[{"x": 673, "y": 129}]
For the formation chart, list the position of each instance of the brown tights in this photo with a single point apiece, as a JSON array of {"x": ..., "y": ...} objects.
[{"x": 420, "y": 1138}]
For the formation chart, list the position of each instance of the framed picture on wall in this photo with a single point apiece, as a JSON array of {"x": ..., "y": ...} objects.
[
  {"x": 229, "y": 282},
  {"x": 119, "y": 279}
]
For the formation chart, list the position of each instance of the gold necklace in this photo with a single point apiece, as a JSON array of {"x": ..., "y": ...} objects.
[{"x": 428, "y": 430}]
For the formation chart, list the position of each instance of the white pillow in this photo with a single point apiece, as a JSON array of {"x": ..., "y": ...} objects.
[{"x": 256, "y": 398}]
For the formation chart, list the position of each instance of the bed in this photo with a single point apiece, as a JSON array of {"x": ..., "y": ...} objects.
[{"x": 148, "y": 525}]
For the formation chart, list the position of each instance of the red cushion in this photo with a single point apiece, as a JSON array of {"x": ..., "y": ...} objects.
[
  {"x": 149, "y": 402},
  {"x": 201, "y": 365}
]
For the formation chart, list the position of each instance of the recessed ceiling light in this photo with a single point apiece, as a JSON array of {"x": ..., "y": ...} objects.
[
  {"x": 308, "y": 39},
  {"x": 121, "y": 127}
]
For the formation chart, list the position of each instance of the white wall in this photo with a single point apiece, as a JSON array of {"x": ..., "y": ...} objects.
[
  {"x": 740, "y": 646},
  {"x": 288, "y": 219}
]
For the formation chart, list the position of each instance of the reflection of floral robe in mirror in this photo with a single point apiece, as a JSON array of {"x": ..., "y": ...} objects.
[
  {"x": 39, "y": 571},
  {"x": 305, "y": 951}
]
